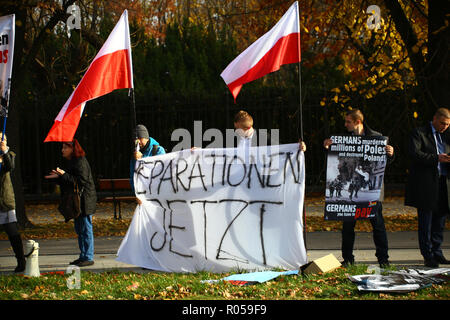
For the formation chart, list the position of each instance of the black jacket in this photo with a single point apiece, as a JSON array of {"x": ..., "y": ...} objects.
[
  {"x": 423, "y": 178},
  {"x": 78, "y": 169}
]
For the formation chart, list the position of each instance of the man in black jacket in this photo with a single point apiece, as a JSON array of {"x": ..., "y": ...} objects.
[
  {"x": 354, "y": 122},
  {"x": 427, "y": 186}
]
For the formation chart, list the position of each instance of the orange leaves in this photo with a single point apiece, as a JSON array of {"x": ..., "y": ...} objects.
[{"x": 133, "y": 287}]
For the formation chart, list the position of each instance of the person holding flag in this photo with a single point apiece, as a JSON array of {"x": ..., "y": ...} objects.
[
  {"x": 111, "y": 69},
  {"x": 146, "y": 146},
  {"x": 243, "y": 124}
]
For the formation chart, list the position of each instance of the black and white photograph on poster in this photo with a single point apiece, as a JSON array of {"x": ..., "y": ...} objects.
[{"x": 355, "y": 171}]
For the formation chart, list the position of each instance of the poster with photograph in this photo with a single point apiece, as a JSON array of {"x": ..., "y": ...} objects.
[
  {"x": 355, "y": 171},
  {"x": 401, "y": 281}
]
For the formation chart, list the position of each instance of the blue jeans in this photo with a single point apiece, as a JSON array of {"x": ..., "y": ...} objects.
[{"x": 83, "y": 228}]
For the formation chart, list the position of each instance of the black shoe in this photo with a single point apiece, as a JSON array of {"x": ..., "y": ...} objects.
[
  {"x": 347, "y": 263},
  {"x": 431, "y": 263},
  {"x": 85, "y": 263},
  {"x": 20, "y": 266},
  {"x": 441, "y": 260},
  {"x": 75, "y": 262}
]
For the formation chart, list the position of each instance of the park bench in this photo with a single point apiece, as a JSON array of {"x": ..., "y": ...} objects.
[{"x": 116, "y": 188}]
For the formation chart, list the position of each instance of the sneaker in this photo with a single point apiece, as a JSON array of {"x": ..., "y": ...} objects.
[{"x": 85, "y": 263}]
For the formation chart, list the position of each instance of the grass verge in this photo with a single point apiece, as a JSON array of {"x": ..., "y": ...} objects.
[{"x": 115, "y": 285}]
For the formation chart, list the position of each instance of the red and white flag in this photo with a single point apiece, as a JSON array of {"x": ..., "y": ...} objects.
[
  {"x": 281, "y": 45},
  {"x": 111, "y": 69}
]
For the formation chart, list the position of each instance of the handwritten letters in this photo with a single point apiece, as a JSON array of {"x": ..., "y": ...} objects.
[{"x": 217, "y": 210}]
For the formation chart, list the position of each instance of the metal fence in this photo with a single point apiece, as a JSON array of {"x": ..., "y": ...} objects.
[{"x": 105, "y": 129}]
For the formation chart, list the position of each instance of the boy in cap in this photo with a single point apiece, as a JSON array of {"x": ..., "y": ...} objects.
[{"x": 147, "y": 147}]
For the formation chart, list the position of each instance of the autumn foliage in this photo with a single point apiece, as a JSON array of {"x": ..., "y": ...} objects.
[{"x": 351, "y": 57}]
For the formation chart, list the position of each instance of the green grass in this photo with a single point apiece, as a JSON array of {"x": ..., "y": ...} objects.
[{"x": 116, "y": 285}]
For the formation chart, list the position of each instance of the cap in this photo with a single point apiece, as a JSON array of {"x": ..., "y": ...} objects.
[{"x": 141, "y": 131}]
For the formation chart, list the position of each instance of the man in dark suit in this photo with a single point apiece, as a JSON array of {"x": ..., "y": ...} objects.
[
  {"x": 354, "y": 122},
  {"x": 427, "y": 186}
]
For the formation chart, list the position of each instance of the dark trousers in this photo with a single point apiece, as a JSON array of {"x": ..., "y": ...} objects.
[
  {"x": 379, "y": 237},
  {"x": 15, "y": 239},
  {"x": 432, "y": 224}
]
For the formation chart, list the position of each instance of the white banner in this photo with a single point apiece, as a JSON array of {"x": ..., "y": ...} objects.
[
  {"x": 218, "y": 210},
  {"x": 7, "y": 27}
]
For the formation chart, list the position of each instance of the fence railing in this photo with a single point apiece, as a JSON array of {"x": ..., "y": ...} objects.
[{"x": 105, "y": 130}]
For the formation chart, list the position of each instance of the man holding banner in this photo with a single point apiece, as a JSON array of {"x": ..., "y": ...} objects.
[{"x": 354, "y": 122}]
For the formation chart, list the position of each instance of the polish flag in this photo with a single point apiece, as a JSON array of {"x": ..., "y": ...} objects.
[
  {"x": 281, "y": 45},
  {"x": 111, "y": 69}
]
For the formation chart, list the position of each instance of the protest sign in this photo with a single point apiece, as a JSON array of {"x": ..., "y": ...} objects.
[
  {"x": 7, "y": 28},
  {"x": 401, "y": 281},
  {"x": 355, "y": 171},
  {"x": 218, "y": 210}
]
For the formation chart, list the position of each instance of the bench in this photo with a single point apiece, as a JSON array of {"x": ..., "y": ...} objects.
[{"x": 113, "y": 186}]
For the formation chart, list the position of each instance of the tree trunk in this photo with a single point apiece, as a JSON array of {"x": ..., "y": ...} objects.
[
  {"x": 432, "y": 73},
  {"x": 438, "y": 58}
]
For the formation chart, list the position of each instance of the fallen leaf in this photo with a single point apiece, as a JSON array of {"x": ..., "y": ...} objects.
[{"x": 133, "y": 286}]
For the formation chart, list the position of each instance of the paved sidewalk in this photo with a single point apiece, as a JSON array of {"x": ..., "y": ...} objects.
[{"x": 55, "y": 255}]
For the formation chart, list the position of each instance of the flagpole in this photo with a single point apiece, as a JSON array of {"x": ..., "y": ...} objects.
[
  {"x": 300, "y": 109},
  {"x": 300, "y": 117},
  {"x": 133, "y": 118}
]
